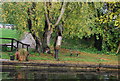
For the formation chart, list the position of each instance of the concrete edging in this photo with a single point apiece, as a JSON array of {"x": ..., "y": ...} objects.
[{"x": 60, "y": 65}]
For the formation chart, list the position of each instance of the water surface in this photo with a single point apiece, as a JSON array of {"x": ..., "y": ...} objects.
[{"x": 50, "y": 75}]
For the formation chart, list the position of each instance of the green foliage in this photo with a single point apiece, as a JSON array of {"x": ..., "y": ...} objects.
[
  {"x": 109, "y": 28},
  {"x": 83, "y": 46},
  {"x": 11, "y": 53},
  {"x": 81, "y": 19},
  {"x": 4, "y": 48},
  {"x": 17, "y": 13}
]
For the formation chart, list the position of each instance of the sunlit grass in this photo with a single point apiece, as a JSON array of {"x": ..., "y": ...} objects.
[
  {"x": 81, "y": 58},
  {"x": 65, "y": 57},
  {"x": 4, "y": 55},
  {"x": 8, "y": 33},
  {"x": 40, "y": 58}
]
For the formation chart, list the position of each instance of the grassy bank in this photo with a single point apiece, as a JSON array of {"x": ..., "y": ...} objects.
[
  {"x": 8, "y": 33},
  {"x": 85, "y": 50},
  {"x": 82, "y": 45},
  {"x": 64, "y": 56}
]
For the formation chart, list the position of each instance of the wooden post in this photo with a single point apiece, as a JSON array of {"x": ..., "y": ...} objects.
[
  {"x": 22, "y": 45},
  {"x": 17, "y": 44},
  {"x": 27, "y": 47},
  {"x": 12, "y": 44}
]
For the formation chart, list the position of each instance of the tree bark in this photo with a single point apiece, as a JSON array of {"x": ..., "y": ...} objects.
[
  {"x": 38, "y": 44},
  {"x": 118, "y": 48},
  {"x": 62, "y": 12},
  {"x": 46, "y": 39},
  {"x": 58, "y": 41},
  {"x": 48, "y": 30}
]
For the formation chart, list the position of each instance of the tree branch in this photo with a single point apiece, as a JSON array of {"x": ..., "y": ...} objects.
[
  {"x": 46, "y": 15},
  {"x": 118, "y": 48},
  {"x": 62, "y": 12}
]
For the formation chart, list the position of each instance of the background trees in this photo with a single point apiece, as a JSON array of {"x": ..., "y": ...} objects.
[
  {"x": 27, "y": 17},
  {"x": 108, "y": 24},
  {"x": 79, "y": 20}
]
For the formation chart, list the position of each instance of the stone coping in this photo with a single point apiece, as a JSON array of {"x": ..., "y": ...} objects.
[{"x": 47, "y": 64}]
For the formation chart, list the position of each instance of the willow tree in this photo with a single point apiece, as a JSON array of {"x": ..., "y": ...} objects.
[
  {"x": 41, "y": 19},
  {"x": 78, "y": 19},
  {"x": 45, "y": 17},
  {"x": 53, "y": 14}
]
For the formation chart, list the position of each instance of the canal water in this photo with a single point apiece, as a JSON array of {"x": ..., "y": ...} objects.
[{"x": 52, "y": 75}]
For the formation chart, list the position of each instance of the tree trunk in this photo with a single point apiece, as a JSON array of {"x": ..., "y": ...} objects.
[
  {"x": 118, "y": 48},
  {"x": 57, "y": 45},
  {"x": 98, "y": 42},
  {"x": 37, "y": 47},
  {"x": 38, "y": 42},
  {"x": 46, "y": 39},
  {"x": 58, "y": 41},
  {"x": 48, "y": 28}
]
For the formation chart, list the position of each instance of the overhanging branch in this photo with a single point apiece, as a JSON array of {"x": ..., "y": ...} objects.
[
  {"x": 61, "y": 13},
  {"x": 46, "y": 14}
]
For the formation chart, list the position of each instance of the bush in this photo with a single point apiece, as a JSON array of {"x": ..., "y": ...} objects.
[{"x": 4, "y": 48}]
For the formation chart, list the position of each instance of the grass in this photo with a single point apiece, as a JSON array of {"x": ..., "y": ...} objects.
[
  {"x": 87, "y": 54},
  {"x": 87, "y": 57},
  {"x": 8, "y": 33},
  {"x": 5, "y": 55},
  {"x": 83, "y": 46},
  {"x": 39, "y": 58},
  {"x": 64, "y": 56},
  {"x": 82, "y": 59}
]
